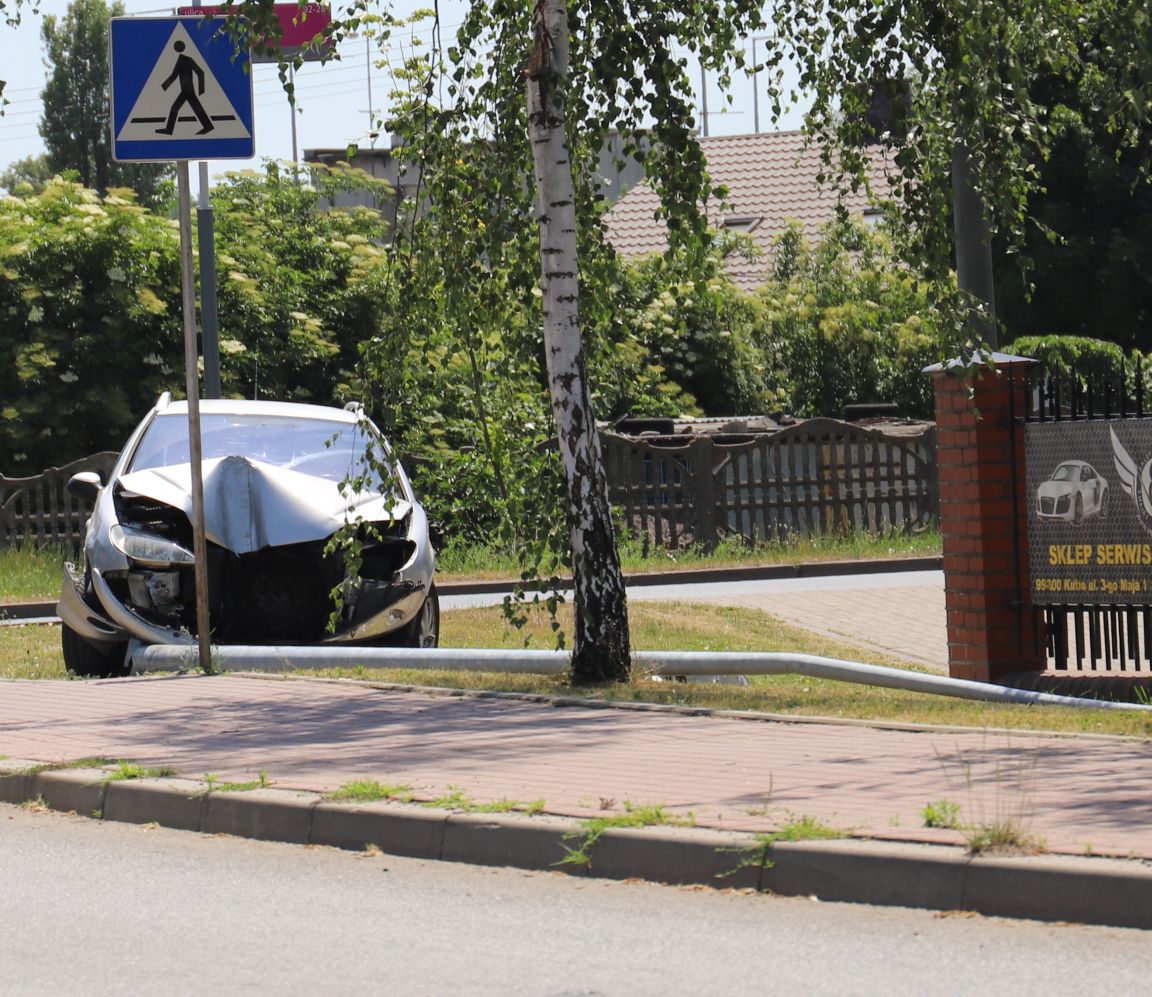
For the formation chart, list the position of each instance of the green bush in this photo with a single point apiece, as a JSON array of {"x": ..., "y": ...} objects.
[
  {"x": 90, "y": 309},
  {"x": 699, "y": 330},
  {"x": 844, "y": 323},
  {"x": 301, "y": 284},
  {"x": 1073, "y": 356},
  {"x": 91, "y": 315}
]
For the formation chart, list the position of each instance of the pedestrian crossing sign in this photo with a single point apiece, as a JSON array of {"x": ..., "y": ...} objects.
[{"x": 181, "y": 89}]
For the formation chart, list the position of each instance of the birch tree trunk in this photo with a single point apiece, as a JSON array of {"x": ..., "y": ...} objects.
[
  {"x": 601, "y": 647},
  {"x": 973, "y": 248}
]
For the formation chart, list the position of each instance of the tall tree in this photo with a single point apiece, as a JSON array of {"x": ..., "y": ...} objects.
[
  {"x": 32, "y": 170},
  {"x": 75, "y": 125},
  {"x": 1088, "y": 245},
  {"x": 589, "y": 68},
  {"x": 967, "y": 115},
  {"x": 601, "y": 651}
]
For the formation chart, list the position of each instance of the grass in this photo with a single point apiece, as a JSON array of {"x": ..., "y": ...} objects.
[
  {"x": 476, "y": 562},
  {"x": 370, "y": 791},
  {"x": 942, "y": 813},
  {"x": 133, "y": 770},
  {"x": 999, "y": 792},
  {"x": 34, "y": 652},
  {"x": 796, "y": 828},
  {"x": 212, "y": 784},
  {"x": 579, "y": 852},
  {"x": 30, "y": 575},
  {"x": 1006, "y": 835}
]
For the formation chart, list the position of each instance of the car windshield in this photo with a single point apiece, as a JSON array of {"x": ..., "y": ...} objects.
[
  {"x": 326, "y": 449},
  {"x": 1066, "y": 472}
]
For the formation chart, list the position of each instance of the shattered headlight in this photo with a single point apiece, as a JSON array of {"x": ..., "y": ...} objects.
[{"x": 147, "y": 548}]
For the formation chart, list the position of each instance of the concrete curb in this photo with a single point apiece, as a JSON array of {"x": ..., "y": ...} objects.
[
  {"x": 1049, "y": 888},
  {"x": 27, "y": 610}
]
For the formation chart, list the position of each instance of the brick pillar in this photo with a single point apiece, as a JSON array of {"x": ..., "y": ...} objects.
[{"x": 980, "y": 456}]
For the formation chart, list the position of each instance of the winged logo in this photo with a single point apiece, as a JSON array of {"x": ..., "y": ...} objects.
[{"x": 1136, "y": 482}]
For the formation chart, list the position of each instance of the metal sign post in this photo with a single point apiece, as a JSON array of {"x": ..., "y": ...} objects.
[
  {"x": 180, "y": 90},
  {"x": 192, "y": 384}
]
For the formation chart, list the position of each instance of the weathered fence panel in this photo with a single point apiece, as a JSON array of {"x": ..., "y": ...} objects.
[
  {"x": 815, "y": 478},
  {"x": 39, "y": 511}
]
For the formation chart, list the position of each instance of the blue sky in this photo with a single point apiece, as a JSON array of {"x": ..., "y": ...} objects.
[{"x": 333, "y": 99}]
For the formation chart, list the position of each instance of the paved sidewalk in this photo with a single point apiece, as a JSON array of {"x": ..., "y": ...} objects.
[
  {"x": 730, "y": 777},
  {"x": 721, "y": 772}
]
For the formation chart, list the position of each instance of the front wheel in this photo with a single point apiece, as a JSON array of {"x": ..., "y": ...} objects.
[
  {"x": 85, "y": 660},
  {"x": 424, "y": 630}
]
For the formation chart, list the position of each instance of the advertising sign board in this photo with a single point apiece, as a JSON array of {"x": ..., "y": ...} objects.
[
  {"x": 1090, "y": 511},
  {"x": 299, "y": 26}
]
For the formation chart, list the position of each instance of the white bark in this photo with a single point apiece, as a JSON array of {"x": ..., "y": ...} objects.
[{"x": 600, "y": 651}]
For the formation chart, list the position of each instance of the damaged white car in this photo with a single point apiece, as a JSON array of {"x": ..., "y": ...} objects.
[{"x": 280, "y": 481}]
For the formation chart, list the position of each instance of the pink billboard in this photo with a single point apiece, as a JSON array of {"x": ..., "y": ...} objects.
[{"x": 299, "y": 25}]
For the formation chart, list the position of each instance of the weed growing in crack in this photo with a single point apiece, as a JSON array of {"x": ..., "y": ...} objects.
[
  {"x": 942, "y": 813},
  {"x": 998, "y": 784},
  {"x": 212, "y": 783},
  {"x": 133, "y": 770},
  {"x": 369, "y": 790},
  {"x": 797, "y": 828},
  {"x": 592, "y": 830}
]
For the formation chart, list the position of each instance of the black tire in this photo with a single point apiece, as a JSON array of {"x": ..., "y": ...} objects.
[
  {"x": 88, "y": 661},
  {"x": 424, "y": 630},
  {"x": 1078, "y": 509}
]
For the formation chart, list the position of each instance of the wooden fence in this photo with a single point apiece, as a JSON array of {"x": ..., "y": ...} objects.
[
  {"x": 819, "y": 477},
  {"x": 39, "y": 511}
]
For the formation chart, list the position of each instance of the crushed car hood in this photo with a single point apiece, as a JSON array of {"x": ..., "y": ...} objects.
[{"x": 250, "y": 505}]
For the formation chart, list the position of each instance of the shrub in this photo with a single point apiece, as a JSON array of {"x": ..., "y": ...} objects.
[{"x": 844, "y": 323}]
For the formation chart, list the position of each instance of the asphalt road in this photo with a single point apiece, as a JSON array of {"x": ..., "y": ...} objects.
[{"x": 93, "y": 908}]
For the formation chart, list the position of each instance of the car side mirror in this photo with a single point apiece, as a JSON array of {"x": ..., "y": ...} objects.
[{"x": 85, "y": 485}]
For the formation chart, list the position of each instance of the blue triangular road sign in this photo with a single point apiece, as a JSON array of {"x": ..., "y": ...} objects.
[{"x": 180, "y": 90}]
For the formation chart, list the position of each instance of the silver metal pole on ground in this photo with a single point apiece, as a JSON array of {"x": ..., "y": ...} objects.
[
  {"x": 209, "y": 323},
  {"x": 237, "y": 658},
  {"x": 192, "y": 384}
]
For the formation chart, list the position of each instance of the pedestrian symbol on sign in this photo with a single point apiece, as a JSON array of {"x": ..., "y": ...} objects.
[
  {"x": 181, "y": 98},
  {"x": 186, "y": 68}
]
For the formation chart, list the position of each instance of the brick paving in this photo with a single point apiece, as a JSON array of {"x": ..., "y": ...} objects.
[{"x": 1077, "y": 793}]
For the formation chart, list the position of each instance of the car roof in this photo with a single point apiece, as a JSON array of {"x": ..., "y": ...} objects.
[{"x": 241, "y": 406}]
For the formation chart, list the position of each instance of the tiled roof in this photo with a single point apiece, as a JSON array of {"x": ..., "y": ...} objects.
[{"x": 770, "y": 176}]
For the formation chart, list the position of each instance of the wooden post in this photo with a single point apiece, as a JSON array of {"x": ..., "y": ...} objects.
[{"x": 705, "y": 491}]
